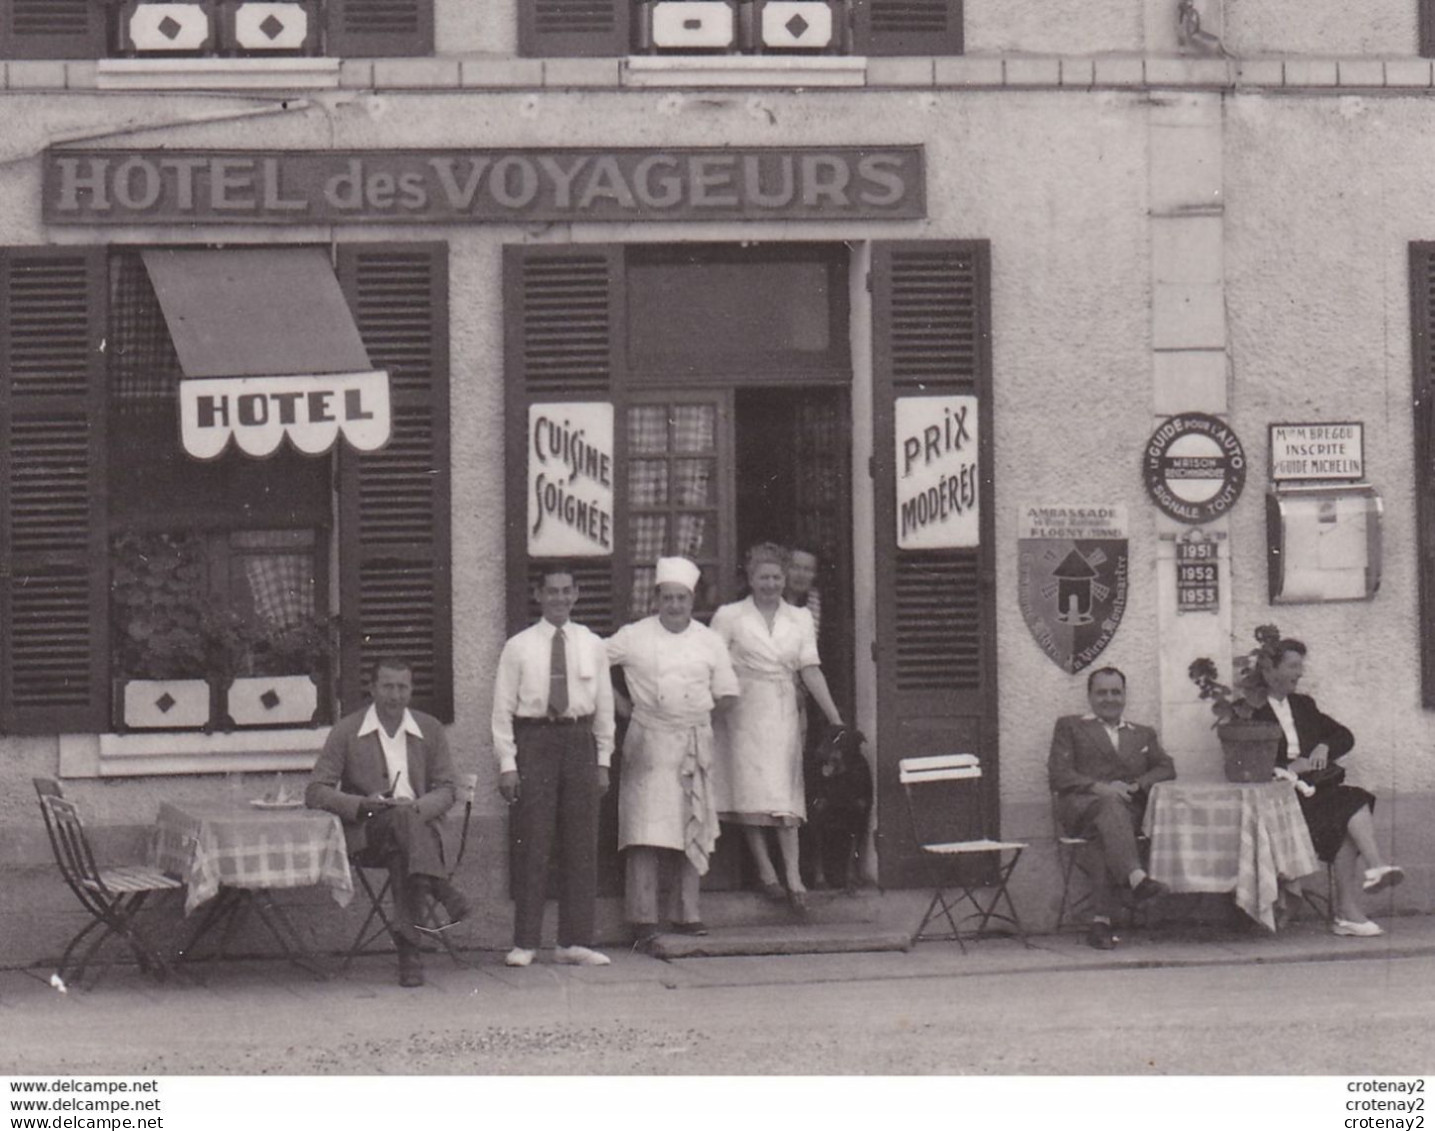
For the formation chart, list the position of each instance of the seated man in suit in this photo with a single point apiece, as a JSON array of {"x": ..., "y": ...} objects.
[
  {"x": 1100, "y": 769},
  {"x": 388, "y": 774}
]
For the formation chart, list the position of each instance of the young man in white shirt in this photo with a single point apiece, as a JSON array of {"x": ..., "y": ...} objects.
[{"x": 553, "y": 736}]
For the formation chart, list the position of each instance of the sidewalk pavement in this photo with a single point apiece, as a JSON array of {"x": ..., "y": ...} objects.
[{"x": 223, "y": 1016}]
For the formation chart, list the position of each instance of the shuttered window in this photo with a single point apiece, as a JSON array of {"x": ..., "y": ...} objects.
[
  {"x": 936, "y": 671},
  {"x": 557, "y": 28},
  {"x": 563, "y": 341},
  {"x": 360, "y": 28},
  {"x": 54, "y": 515},
  {"x": 907, "y": 27},
  {"x": 53, "y": 576},
  {"x": 80, "y": 29},
  {"x": 1422, "y": 322},
  {"x": 1427, "y": 28},
  {"x": 52, "y": 29},
  {"x": 395, "y": 582}
]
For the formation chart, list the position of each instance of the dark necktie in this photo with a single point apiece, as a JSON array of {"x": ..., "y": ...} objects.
[{"x": 558, "y": 676}]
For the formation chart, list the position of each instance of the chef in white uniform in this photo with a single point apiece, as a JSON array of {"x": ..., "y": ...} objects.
[{"x": 678, "y": 672}]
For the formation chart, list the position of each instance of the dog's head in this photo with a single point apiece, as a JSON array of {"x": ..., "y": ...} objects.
[{"x": 838, "y": 746}]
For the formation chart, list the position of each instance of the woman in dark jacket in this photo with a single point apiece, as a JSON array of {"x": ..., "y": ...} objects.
[{"x": 1339, "y": 816}]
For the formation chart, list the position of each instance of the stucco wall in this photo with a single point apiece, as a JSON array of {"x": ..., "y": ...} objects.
[
  {"x": 1321, "y": 28},
  {"x": 1324, "y": 198}
]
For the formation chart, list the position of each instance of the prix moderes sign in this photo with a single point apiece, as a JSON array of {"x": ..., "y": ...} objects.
[{"x": 164, "y": 186}]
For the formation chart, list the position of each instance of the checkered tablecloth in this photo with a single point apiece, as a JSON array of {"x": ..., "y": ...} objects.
[
  {"x": 209, "y": 846},
  {"x": 1228, "y": 836}
]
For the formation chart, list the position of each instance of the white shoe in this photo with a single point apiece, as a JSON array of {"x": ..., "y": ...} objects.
[
  {"x": 1386, "y": 876},
  {"x": 579, "y": 956},
  {"x": 1365, "y": 930},
  {"x": 518, "y": 957}
]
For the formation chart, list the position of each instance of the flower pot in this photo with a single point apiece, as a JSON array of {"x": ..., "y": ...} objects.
[
  {"x": 272, "y": 700},
  {"x": 1250, "y": 750},
  {"x": 164, "y": 704}
]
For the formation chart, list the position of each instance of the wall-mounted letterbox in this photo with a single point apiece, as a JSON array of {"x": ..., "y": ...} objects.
[{"x": 1323, "y": 542}]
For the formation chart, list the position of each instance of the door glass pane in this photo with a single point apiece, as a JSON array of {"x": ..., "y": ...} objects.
[
  {"x": 694, "y": 536},
  {"x": 642, "y": 599},
  {"x": 648, "y": 482},
  {"x": 648, "y": 429},
  {"x": 692, "y": 486},
  {"x": 650, "y": 537},
  {"x": 694, "y": 427}
]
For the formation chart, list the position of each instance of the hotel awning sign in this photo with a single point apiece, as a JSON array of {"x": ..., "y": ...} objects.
[{"x": 260, "y": 412}]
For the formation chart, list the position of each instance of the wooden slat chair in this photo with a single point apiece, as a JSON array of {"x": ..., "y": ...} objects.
[
  {"x": 377, "y": 925},
  {"x": 963, "y": 774},
  {"x": 113, "y": 896}
]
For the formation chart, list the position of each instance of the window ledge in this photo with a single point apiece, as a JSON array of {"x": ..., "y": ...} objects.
[
  {"x": 217, "y": 74},
  {"x": 745, "y": 70},
  {"x": 188, "y": 752}
]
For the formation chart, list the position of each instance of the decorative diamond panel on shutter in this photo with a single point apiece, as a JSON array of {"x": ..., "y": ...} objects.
[
  {"x": 249, "y": 28},
  {"x": 52, "y": 29},
  {"x": 907, "y": 27},
  {"x": 936, "y": 660},
  {"x": 563, "y": 341},
  {"x": 1422, "y": 324},
  {"x": 54, "y": 579},
  {"x": 378, "y": 28},
  {"x": 560, "y": 28},
  {"x": 395, "y": 572},
  {"x": 797, "y": 25},
  {"x": 148, "y": 28}
]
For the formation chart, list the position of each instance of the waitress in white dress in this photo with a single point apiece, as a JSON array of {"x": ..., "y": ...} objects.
[{"x": 758, "y": 768}]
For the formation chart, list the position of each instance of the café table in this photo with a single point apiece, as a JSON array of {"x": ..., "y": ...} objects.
[
  {"x": 233, "y": 856},
  {"x": 1241, "y": 837}
]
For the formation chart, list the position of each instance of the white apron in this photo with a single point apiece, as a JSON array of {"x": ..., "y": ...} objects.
[
  {"x": 665, "y": 797},
  {"x": 759, "y": 742}
]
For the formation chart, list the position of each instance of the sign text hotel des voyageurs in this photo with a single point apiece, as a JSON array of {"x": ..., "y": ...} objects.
[{"x": 163, "y": 186}]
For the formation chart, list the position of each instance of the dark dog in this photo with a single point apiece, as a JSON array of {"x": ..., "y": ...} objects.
[{"x": 838, "y": 784}]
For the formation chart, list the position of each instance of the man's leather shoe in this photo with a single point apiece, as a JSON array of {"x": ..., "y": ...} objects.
[
  {"x": 1102, "y": 937},
  {"x": 454, "y": 902},
  {"x": 411, "y": 968},
  {"x": 1148, "y": 889},
  {"x": 696, "y": 928},
  {"x": 643, "y": 935}
]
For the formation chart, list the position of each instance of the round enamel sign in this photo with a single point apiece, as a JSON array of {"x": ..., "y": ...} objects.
[{"x": 1194, "y": 467}]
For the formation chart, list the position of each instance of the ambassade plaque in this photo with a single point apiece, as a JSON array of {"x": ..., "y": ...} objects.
[{"x": 477, "y": 186}]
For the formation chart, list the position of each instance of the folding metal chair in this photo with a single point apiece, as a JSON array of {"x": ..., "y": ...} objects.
[
  {"x": 1074, "y": 859},
  {"x": 112, "y": 896},
  {"x": 377, "y": 924},
  {"x": 1323, "y": 904},
  {"x": 963, "y": 772},
  {"x": 1071, "y": 858}
]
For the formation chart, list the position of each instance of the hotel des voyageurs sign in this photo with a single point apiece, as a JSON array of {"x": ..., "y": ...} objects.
[{"x": 161, "y": 186}]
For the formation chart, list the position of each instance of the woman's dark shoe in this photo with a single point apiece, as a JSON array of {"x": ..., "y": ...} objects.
[
  {"x": 696, "y": 928},
  {"x": 1102, "y": 937},
  {"x": 773, "y": 891}
]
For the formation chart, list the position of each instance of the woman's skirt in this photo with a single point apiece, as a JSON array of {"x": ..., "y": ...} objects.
[
  {"x": 1329, "y": 811},
  {"x": 758, "y": 768}
]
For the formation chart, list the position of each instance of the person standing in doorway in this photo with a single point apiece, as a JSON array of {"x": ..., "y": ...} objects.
[
  {"x": 774, "y": 649},
  {"x": 553, "y": 736},
  {"x": 678, "y": 673},
  {"x": 801, "y": 590}
]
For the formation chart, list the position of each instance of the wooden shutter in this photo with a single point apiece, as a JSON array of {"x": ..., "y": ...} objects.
[
  {"x": 395, "y": 579},
  {"x": 558, "y": 28},
  {"x": 936, "y": 659},
  {"x": 369, "y": 28},
  {"x": 563, "y": 341},
  {"x": 54, "y": 582},
  {"x": 1422, "y": 323},
  {"x": 1427, "y": 31},
  {"x": 52, "y": 29},
  {"x": 907, "y": 27}
]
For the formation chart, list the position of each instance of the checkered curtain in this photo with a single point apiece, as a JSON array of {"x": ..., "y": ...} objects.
[
  {"x": 656, "y": 433},
  {"x": 144, "y": 368},
  {"x": 280, "y": 578}
]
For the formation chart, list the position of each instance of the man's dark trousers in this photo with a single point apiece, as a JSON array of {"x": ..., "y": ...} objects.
[
  {"x": 400, "y": 840},
  {"x": 557, "y": 798}
]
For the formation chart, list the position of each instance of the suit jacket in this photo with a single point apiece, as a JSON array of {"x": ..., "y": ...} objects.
[
  {"x": 1311, "y": 727},
  {"x": 1082, "y": 755},
  {"x": 351, "y": 768}
]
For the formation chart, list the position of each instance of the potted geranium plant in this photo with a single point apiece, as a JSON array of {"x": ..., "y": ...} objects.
[
  {"x": 278, "y": 670},
  {"x": 161, "y": 612},
  {"x": 1249, "y": 745}
]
